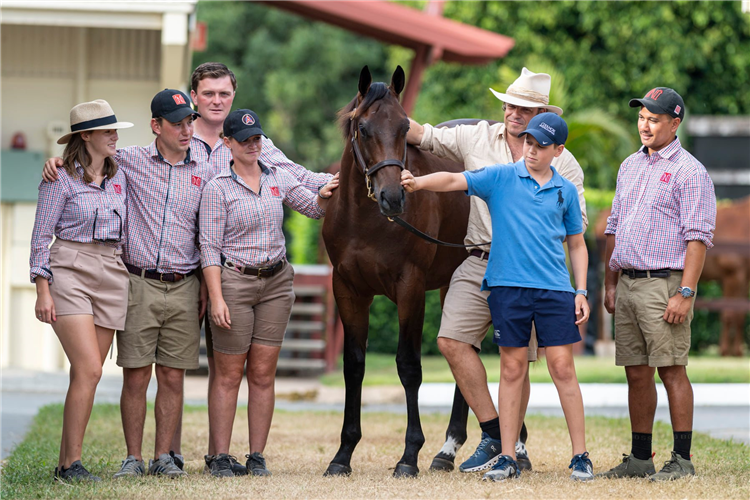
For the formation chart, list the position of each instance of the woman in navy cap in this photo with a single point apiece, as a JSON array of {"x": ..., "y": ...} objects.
[
  {"x": 81, "y": 281},
  {"x": 249, "y": 281}
]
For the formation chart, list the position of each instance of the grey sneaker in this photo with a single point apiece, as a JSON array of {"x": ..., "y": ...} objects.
[
  {"x": 582, "y": 468},
  {"x": 178, "y": 459},
  {"x": 131, "y": 467},
  {"x": 76, "y": 472},
  {"x": 164, "y": 466},
  {"x": 505, "y": 468},
  {"x": 631, "y": 467},
  {"x": 256, "y": 465},
  {"x": 674, "y": 468},
  {"x": 220, "y": 465},
  {"x": 522, "y": 456}
]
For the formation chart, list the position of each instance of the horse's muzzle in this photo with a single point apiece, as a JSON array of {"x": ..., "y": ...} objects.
[{"x": 391, "y": 202}]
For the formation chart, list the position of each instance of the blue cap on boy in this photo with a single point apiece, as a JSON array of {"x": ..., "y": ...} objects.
[{"x": 547, "y": 128}]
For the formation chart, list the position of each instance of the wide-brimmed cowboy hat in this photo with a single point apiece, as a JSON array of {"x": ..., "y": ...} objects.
[
  {"x": 94, "y": 115},
  {"x": 530, "y": 90}
]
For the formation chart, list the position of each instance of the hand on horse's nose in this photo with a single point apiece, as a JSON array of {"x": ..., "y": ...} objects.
[{"x": 392, "y": 201}]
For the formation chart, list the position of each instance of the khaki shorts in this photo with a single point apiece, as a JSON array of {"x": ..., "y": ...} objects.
[
  {"x": 89, "y": 279},
  {"x": 259, "y": 309},
  {"x": 642, "y": 336},
  {"x": 466, "y": 313},
  {"x": 162, "y": 325}
]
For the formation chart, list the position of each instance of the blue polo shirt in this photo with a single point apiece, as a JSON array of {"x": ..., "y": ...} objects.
[{"x": 529, "y": 224}]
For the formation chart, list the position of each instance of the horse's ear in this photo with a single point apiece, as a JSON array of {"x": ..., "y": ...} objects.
[
  {"x": 365, "y": 79},
  {"x": 397, "y": 80}
]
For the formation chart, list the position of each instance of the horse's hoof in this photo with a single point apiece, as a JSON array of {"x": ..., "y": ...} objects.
[
  {"x": 442, "y": 465},
  {"x": 337, "y": 470},
  {"x": 405, "y": 470}
]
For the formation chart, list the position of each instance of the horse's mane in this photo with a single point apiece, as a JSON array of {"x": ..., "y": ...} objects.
[{"x": 377, "y": 91}]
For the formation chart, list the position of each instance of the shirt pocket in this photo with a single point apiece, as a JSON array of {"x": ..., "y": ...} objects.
[{"x": 664, "y": 200}]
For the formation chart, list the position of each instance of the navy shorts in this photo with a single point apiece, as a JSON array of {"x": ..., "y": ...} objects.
[{"x": 513, "y": 309}]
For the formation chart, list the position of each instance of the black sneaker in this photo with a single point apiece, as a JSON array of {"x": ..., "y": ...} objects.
[
  {"x": 220, "y": 465},
  {"x": 178, "y": 460},
  {"x": 76, "y": 472},
  {"x": 522, "y": 457},
  {"x": 237, "y": 468},
  {"x": 256, "y": 464}
]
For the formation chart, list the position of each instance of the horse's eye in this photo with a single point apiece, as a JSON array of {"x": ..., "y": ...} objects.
[{"x": 362, "y": 130}]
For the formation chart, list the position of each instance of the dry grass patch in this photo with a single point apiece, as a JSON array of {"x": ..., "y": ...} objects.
[{"x": 302, "y": 444}]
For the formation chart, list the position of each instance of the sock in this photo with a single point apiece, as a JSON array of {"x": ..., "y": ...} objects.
[
  {"x": 641, "y": 446},
  {"x": 492, "y": 428},
  {"x": 682, "y": 442}
]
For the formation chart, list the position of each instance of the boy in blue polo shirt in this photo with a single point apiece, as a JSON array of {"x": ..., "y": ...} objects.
[{"x": 533, "y": 211}]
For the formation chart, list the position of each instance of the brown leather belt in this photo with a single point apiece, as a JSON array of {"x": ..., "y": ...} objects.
[
  {"x": 478, "y": 253},
  {"x": 656, "y": 273},
  {"x": 152, "y": 275},
  {"x": 260, "y": 272}
]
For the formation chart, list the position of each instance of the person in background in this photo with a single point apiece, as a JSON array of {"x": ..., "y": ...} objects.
[{"x": 81, "y": 281}]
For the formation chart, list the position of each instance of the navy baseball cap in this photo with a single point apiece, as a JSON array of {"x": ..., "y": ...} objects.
[
  {"x": 242, "y": 124},
  {"x": 662, "y": 101},
  {"x": 172, "y": 105},
  {"x": 547, "y": 128}
]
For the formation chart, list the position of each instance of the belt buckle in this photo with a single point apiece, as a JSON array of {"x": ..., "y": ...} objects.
[{"x": 161, "y": 277}]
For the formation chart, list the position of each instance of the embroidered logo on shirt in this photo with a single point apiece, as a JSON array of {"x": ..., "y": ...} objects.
[
  {"x": 118, "y": 188},
  {"x": 560, "y": 199},
  {"x": 248, "y": 119},
  {"x": 196, "y": 181},
  {"x": 665, "y": 177},
  {"x": 178, "y": 99},
  {"x": 275, "y": 191}
]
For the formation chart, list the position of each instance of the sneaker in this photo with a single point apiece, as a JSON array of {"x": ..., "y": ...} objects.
[
  {"x": 631, "y": 467},
  {"x": 674, "y": 468},
  {"x": 76, "y": 472},
  {"x": 220, "y": 465},
  {"x": 522, "y": 456},
  {"x": 237, "y": 468},
  {"x": 131, "y": 467},
  {"x": 178, "y": 460},
  {"x": 505, "y": 468},
  {"x": 256, "y": 465},
  {"x": 164, "y": 466},
  {"x": 582, "y": 468},
  {"x": 484, "y": 457}
]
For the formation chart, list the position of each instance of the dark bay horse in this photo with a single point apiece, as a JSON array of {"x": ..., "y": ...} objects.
[{"x": 373, "y": 256}]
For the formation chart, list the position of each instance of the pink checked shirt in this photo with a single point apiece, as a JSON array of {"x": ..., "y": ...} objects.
[
  {"x": 245, "y": 227},
  {"x": 220, "y": 156},
  {"x": 163, "y": 205},
  {"x": 68, "y": 208},
  {"x": 662, "y": 201}
]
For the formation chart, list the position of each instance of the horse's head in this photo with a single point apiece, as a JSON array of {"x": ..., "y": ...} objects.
[{"x": 376, "y": 125}]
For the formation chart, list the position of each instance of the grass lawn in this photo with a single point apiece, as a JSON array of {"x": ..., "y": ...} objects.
[
  {"x": 381, "y": 370},
  {"x": 302, "y": 443}
]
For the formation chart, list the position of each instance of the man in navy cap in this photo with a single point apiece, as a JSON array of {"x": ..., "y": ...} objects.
[
  {"x": 662, "y": 222},
  {"x": 533, "y": 209}
]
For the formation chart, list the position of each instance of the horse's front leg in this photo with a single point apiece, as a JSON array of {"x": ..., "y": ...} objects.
[
  {"x": 411, "y": 303},
  {"x": 354, "y": 312}
]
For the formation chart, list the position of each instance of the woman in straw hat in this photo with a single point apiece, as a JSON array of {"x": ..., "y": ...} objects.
[{"x": 81, "y": 282}]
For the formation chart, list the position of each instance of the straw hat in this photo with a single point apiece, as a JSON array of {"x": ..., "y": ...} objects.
[
  {"x": 94, "y": 115},
  {"x": 530, "y": 90}
]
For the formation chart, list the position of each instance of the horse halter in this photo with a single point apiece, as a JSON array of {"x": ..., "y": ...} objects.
[{"x": 361, "y": 161}]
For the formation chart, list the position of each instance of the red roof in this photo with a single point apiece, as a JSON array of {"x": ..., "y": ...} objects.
[{"x": 393, "y": 23}]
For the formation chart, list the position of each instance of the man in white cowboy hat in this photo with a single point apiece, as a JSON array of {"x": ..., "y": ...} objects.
[{"x": 466, "y": 314}]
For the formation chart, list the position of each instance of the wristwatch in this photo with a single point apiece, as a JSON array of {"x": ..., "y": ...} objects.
[
  {"x": 585, "y": 293},
  {"x": 686, "y": 291}
]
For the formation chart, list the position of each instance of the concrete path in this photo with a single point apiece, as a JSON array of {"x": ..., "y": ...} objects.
[{"x": 721, "y": 410}]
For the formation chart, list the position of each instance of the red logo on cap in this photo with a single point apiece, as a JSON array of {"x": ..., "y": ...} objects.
[
  {"x": 275, "y": 191},
  {"x": 654, "y": 94},
  {"x": 178, "y": 99},
  {"x": 665, "y": 177},
  {"x": 677, "y": 110},
  {"x": 248, "y": 119},
  {"x": 118, "y": 188},
  {"x": 196, "y": 181}
]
